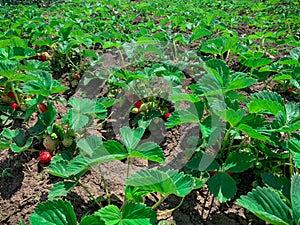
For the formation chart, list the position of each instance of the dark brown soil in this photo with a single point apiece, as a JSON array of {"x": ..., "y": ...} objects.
[{"x": 30, "y": 186}]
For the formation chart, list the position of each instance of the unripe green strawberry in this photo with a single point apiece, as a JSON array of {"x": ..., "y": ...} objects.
[
  {"x": 67, "y": 141},
  {"x": 135, "y": 110},
  {"x": 49, "y": 143},
  {"x": 23, "y": 107},
  {"x": 5, "y": 99},
  {"x": 143, "y": 107}
]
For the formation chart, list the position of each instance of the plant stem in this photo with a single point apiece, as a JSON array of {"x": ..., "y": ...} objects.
[
  {"x": 106, "y": 119},
  {"x": 171, "y": 210},
  {"x": 105, "y": 186},
  {"x": 90, "y": 194},
  {"x": 15, "y": 94},
  {"x": 225, "y": 139},
  {"x": 159, "y": 202},
  {"x": 68, "y": 58},
  {"x": 291, "y": 166},
  {"x": 128, "y": 167}
]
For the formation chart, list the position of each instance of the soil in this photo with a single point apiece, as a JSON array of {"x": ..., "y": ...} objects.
[
  {"x": 29, "y": 185},
  {"x": 20, "y": 194}
]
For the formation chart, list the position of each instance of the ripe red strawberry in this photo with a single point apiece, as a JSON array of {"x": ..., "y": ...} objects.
[
  {"x": 14, "y": 105},
  {"x": 212, "y": 172},
  {"x": 42, "y": 107},
  {"x": 43, "y": 58},
  {"x": 138, "y": 104},
  {"x": 167, "y": 115},
  {"x": 11, "y": 94},
  {"x": 290, "y": 90},
  {"x": 76, "y": 76},
  {"x": 45, "y": 157},
  {"x": 230, "y": 173}
]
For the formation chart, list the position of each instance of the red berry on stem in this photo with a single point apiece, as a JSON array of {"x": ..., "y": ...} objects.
[
  {"x": 14, "y": 105},
  {"x": 11, "y": 94},
  {"x": 76, "y": 76},
  {"x": 290, "y": 90},
  {"x": 167, "y": 115},
  {"x": 42, "y": 107},
  {"x": 213, "y": 172},
  {"x": 230, "y": 173},
  {"x": 43, "y": 58},
  {"x": 45, "y": 157},
  {"x": 138, "y": 104}
]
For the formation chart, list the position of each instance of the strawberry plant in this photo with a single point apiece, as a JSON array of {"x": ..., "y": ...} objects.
[
  {"x": 230, "y": 68},
  {"x": 94, "y": 152},
  {"x": 272, "y": 206}
]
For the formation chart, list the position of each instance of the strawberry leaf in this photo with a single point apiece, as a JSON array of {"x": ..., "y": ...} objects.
[
  {"x": 131, "y": 138},
  {"x": 266, "y": 204},
  {"x": 57, "y": 212},
  {"x": 222, "y": 186},
  {"x": 131, "y": 213}
]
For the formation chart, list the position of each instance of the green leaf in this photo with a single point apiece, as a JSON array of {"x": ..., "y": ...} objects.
[
  {"x": 108, "y": 151},
  {"x": 184, "y": 97},
  {"x": 100, "y": 110},
  {"x": 257, "y": 62},
  {"x": 180, "y": 117},
  {"x": 89, "y": 53},
  {"x": 252, "y": 132},
  {"x": 231, "y": 116},
  {"x": 4, "y": 144},
  {"x": 165, "y": 183},
  {"x": 293, "y": 146},
  {"x": 220, "y": 70},
  {"x": 292, "y": 111},
  {"x": 222, "y": 186},
  {"x": 63, "y": 168},
  {"x": 199, "y": 32},
  {"x": 237, "y": 162},
  {"x": 83, "y": 105},
  {"x": 78, "y": 120},
  {"x": 267, "y": 205},
  {"x": 196, "y": 163},
  {"x": 58, "y": 168},
  {"x": 55, "y": 212},
  {"x": 266, "y": 102},
  {"x": 131, "y": 214},
  {"x": 210, "y": 86},
  {"x": 240, "y": 80},
  {"x": 89, "y": 144},
  {"x": 150, "y": 151},
  {"x": 219, "y": 45},
  {"x": 61, "y": 189},
  {"x": 130, "y": 137},
  {"x": 281, "y": 184},
  {"x": 295, "y": 197},
  {"x": 92, "y": 220},
  {"x": 19, "y": 149},
  {"x": 44, "y": 120}
]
